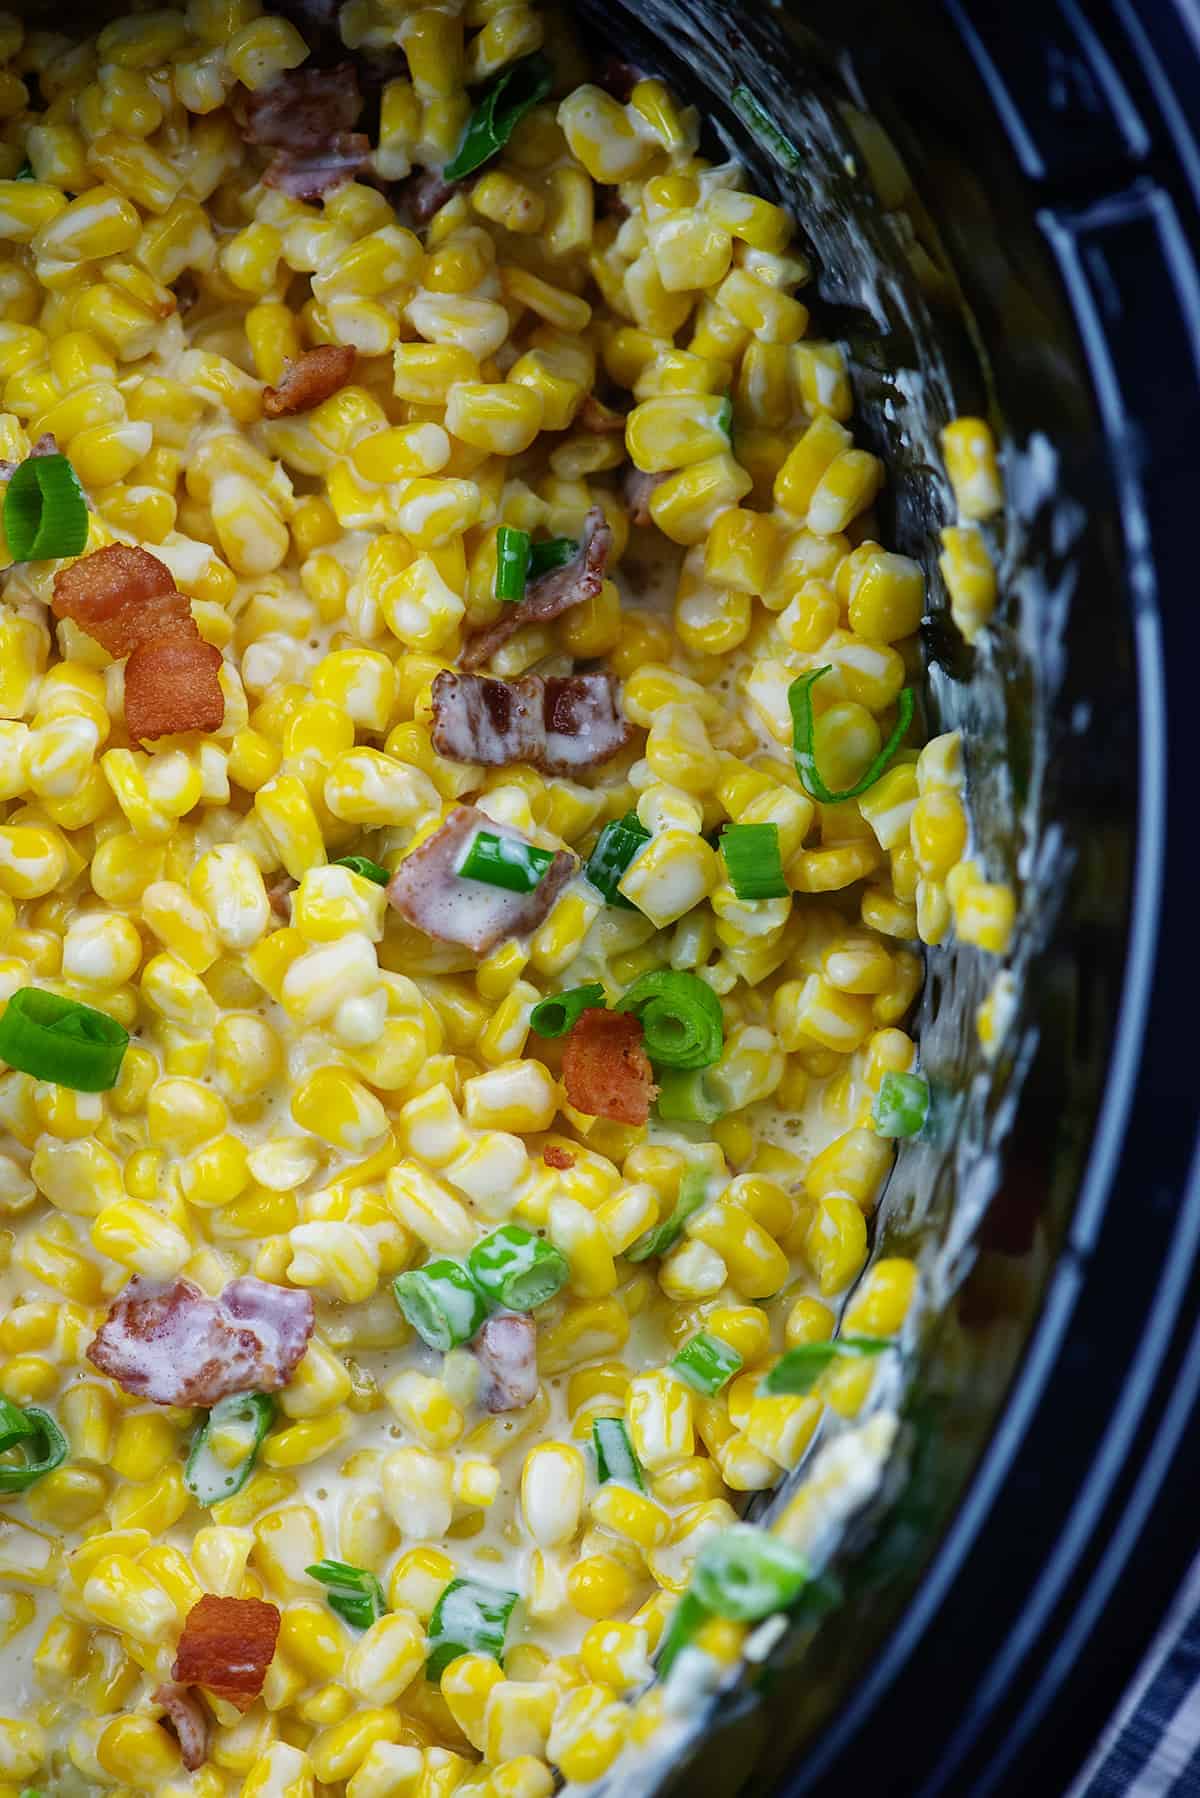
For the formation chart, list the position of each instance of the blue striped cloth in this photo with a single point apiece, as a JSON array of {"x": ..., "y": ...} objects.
[{"x": 1151, "y": 1748}]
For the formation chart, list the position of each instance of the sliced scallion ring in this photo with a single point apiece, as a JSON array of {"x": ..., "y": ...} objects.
[
  {"x": 353, "y": 1592},
  {"x": 555, "y": 1015},
  {"x": 512, "y": 562},
  {"x": 798, "y": 1370},
  {"x": 45, "y": 512},
  {"x": 762, "y": 126},
  {"x": 499, "y": 861},
  {"x": 39, "y": 1439},
  {"x": 511, "y": 95},
  {"x": 59, "y": 1040},
  {"x": 365, "y": 867},
  {"x": 800, "y": 704},
  {"x": 681, "y": 1018},
  {"x": 551, "y": 553},
  {"x": 469, "y": 1618},
  {"x": 753, "y": 861},
  {"x": 238, "y": 1422}
]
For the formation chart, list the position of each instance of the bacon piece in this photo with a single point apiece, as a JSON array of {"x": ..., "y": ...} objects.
[
  {"x": 605, "y": 1068},
  {"x": 312, "y": 176},
  {"x": 174, "y": 1345},
  {"x": 556, "y": 1157},
  {"x": 559, "y": 724},
  {"x": 122, "y": 596},
  {"x": 619, "y": 78},
  {"x": 279, "y": 896},
  {"x": 594, "y": 415},
  {"x": 302, "y": 110},
  {"x": 308, "y": 379},
  {"x": 190, "y": 1721},
  {"x": 226, "y": 1646},
  {"x": 428, "y": 890},
  {"x": 424, "y": 193},
  {"x": 551, "y": 594},
  {"x": 638, "y": 488},
  {"x": 171, "y": 685},
  {"x": 506, "y": 1349}
]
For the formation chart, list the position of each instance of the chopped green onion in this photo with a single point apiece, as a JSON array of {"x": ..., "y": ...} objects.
[
  {"x": 364, "y": 866},
  {"x": 745, "y": 1573},
  {"x": 693, "y": 1191},
  {"x": 469, "y": 1618},
  {"x": 687, "y": 1618},
  {"x": 25, "y": 173},
  {"x": 902, "y": 1105},
  {"x": 441, "y": 1302},
  {"x": 753, "y": 861},
  {"x": 681, "y": 1018},
  {"x": 706, "y": 1363},
  {"x": 208, "y": 1476},
  {"x": 45, "y": 513},
  {"x": 801, "y": 1367},
  {"x": 686, "y": 1096},
  {"x": 504, "y": 105},
  {"x": 555, "y": 1016},
  {"x": 725, "y": 417},
  {"x": 512, "y": 562},
  {"x": 616, "y": 847},
  {"x": 352, "y": 1592},
  {"x": 59, "y": 1040},
  {"x": 762, "y": 126},
  {"x": 514, "y": 1268},
  {"x": 37, "y": 1436},
  {"x": 551, "y": 553},
  {"x": 800, "y": 702},
  {"x": 504, "y": 862},
  {"x": 615, "y": 1459}
]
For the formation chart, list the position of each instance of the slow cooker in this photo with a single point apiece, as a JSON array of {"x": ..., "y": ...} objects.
[{"x": 1002, "y": 206}]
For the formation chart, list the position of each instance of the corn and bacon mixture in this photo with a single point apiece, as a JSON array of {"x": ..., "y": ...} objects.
[{"x": 383, "y": 1367}]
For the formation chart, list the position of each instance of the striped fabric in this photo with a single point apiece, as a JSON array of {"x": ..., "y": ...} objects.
[{"x": 1151, "y": 1748}]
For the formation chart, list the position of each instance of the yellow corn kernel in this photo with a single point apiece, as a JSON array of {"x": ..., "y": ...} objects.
[
  {"x": 686, "y": 504},
  {"x": 387, "y": 1658},
  {"x": 970, "y": 453},
  {"x": 673, "y": 432},
  {"x": 601, "y": 135},
  {"x": 836, "y": 1243},
  {"x": 139, "y": 1238},
  {"x": 985, "y": 915},
  {"x": 970, "y": 578}
]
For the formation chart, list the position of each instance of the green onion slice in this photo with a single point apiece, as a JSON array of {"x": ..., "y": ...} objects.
[
  {"x": 753, "y": 861},
  {"x": 902, "y": 1105},
  {"x": 725, "y": 417},
  {"x": 686, "y": 1096},
  {"x": 498, "y": 861},
  {"x": 364, "y": 866},
  {"x": 681, "y": 1018},
  {"x": 551, "y": 553},
  {"x": 693, "y": 1192},
  {"x": 688, "y": 1616},
  {"x": 556, "y": 1015},
  {"x": 801, "y": 1367},
  {"x": 615, "y": 1459},
  {"x": 705, "y": 1363},
  {"x": 442, "y": 1303},
  {"x": 45, "y": 513},
  {"x": 800, "y": 703},
  {"x": 469, "y": 1618},
  {"x": 39, "y": 1439},
  {"x": 25, "y": 173},
  {"x": 514, "y": 1268},
  {"x": 504, "y": 105},
  {"x": 745, "y": 1574},
  {"x": 616, "y": 847},
  {"x": 775, "y": 142},
  {"x": 512, "y": 562},
  {"x": 351, "y": 1591},
  {"x": 60, "y": 1040},
  {"x": 207, "y": 1476}
]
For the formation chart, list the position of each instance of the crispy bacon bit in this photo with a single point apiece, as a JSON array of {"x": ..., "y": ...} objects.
[
  {"x": 121, "y": 596},
  {"x": 594, "y": 415},
  {"x": 551, "y": 595},
  {"x": 190, "y": 1721},
  {"x": 638, "y": 488},
  {"x": 127, "y": 600},
  {"x": 279, "y": 896},
  {"x": 506, "y": 1349},
  {"x": 556, "y": 1157},
  {"x": 424, "y": 193},
  {"x": 171, "y": 685},
  {"x": 559, "y": 724},
  {"x": 306, "y": 117},
  {"x": 312, "y": 176},
  {"x": 427, "y": 889},
  {"x": 605, "y": 1068},
  {"x": 308, "y": 379},
  {"x": 226, "y": 1646},
  {"x": 175, "y": 1346}
]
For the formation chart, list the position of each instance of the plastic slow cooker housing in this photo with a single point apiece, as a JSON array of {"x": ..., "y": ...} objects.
[{"x": 1034, "y": 260}]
